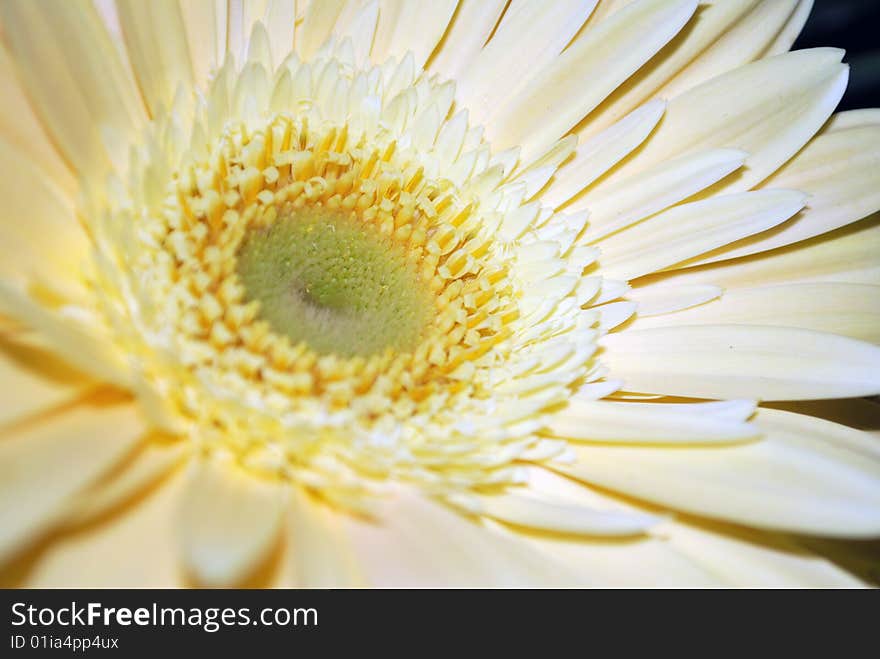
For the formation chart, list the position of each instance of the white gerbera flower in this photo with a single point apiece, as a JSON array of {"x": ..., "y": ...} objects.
[{"x": 431, "y": 293}]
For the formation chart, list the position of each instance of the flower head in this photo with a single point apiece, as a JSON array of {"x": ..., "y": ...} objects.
[{"x": 490, "y": 301}]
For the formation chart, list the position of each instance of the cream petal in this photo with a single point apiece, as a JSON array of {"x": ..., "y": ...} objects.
[
  {"x": 46, "y": 463},
  {"x": 75, "y": 79},
  {"x": 659, "y": 299},
  {"x": 415, "y": 542},
  {"x": 134, "y": 549},
  {"x": 154, "y": 459},
  {"x": 529, "y": 38},
  {"x": 706, "y": 27},
  {"x": 769, "y": 108},
  {"x": 319, "y": 554},
  {"x": 23, "y": 131},
  {"x": 361, "y": 29},
  {"x": 618, "y": 206},
  {"x": 685, "y": 231},
  {"x": 241, "y": 15},
  {"x": 678, "y": 552},
  {"x": 805, "y": 476},
  {"x": 320, "y": 17},
  {"x": 205, "y": 23},
  {"x": 747, "y": 558},
  {"x": 847, "y": 309},
  {"x": 840, "y": 171},
  {"x": 746, "y": 39},
  {"x": 647, "y": 423},
  {"x": 469, "y": 30},
  {"x": 155, "y": 39},
  {"x": 280, "y": 19},
  {"x": 742, "y": 361},
  {"x": 846, "y": 255},
  {"x": 556, "y": 515},
  {"x": 228, "y": 523},
  {"x": 555, "y": 101},
  {"x": 432, "y": 17},
  {"x": 600, "y": 153},
  {"x": 790, "y": 31},
  {"x": 33, "y": 382},
  {"x": 40, "y": 236},
  {"x": 79, "y": 342}
]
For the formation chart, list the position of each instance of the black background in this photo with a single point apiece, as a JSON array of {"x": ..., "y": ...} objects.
[{"x": 855, "y": 26}]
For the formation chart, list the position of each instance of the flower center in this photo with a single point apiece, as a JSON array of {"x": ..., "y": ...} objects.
[{"x": 327, "y": 279}]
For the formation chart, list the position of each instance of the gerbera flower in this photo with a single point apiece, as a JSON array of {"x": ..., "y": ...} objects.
[{"x": 450, "y": 293}]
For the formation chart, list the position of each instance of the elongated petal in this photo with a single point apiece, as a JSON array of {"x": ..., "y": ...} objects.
[
  {"x": 155, "y": 38},
  {"x": 600, "y": 153},
  {"x": 415, "y": 542},
  {"x": 228, "y": 523},
  {"x": 20, "y": 127},
  {"x": 33, "y": 382},
  {"x": 806, "y": 475},
  {"x": 847, "y": 255},
  {"x": 557, "y": 99},
  {"x": 655, "y": 189},
  {"x": 433, "y": 17},
  {"x": 840, "y": 171},
  {"x": 558, "y": 516},
  {"x": 318, "y": 551},
  {"x": 742, "y": 361},
  {"x": 529, "y": 37},
  {"x": 153, "y": 460},
  {"x": 636, "y": 423},
  {"x": 757, "y": 24},
  {"x": 134, "y": 549},
  {"x": 471, "y": 26},
  {"x": 707, "y": 26},
  {"x": 847, "y": 309},
  {"x": 687, "y": 230},
  {"x": 769, "y": 108},
  {"x": 205, "y": 23},
  {"x": 40, "y": 236},
  {"x": 74, "y": 78},
  {"x": 43, "y": 465}
]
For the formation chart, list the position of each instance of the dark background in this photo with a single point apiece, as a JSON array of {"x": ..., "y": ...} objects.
[{"x": 855, "y": 26}]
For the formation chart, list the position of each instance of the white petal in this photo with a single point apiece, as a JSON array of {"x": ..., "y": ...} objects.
[
  {"x": 742, "y": 361},
  {"x": 618, "y": 206},
  {"x": 134, "y": 549},
  {"x": 769, "y": 108},
  {"x": 414, "y": 542},
  {"x": 600, "y": 153},
  {"x": 205, "y": 23},
  {"x": 847, "y": 255},
  {"x": 685, "y": 231},
  {"x": 468, "y": 32},
  {"x": 529, "y": 37},
  {"x": 229, "y": 522},
  {"x": 646, "y": 423},
  {"x": 608, "y": 54},
  {"x": 806, "y": 476},
  {"x": 44, "y": 464},
  {"x": 76, "y": 81},
  {"x": 558, "y": 516},
  {"x": 840, "y": 171},
  {"x": 32, "y": 381},
  {"x": 847, "y": 309},
  {"x": 318, "y": 552},
  {"x": 155, "y": 39}
]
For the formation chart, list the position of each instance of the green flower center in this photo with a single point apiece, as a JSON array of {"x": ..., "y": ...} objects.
[{"x": 327, "y": 279}]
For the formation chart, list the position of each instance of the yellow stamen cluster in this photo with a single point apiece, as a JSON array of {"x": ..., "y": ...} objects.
[{"x": 505, "y": 340}]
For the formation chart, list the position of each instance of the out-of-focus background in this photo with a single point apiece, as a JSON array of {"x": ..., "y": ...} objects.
[{"x": 855, "y": 26}]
